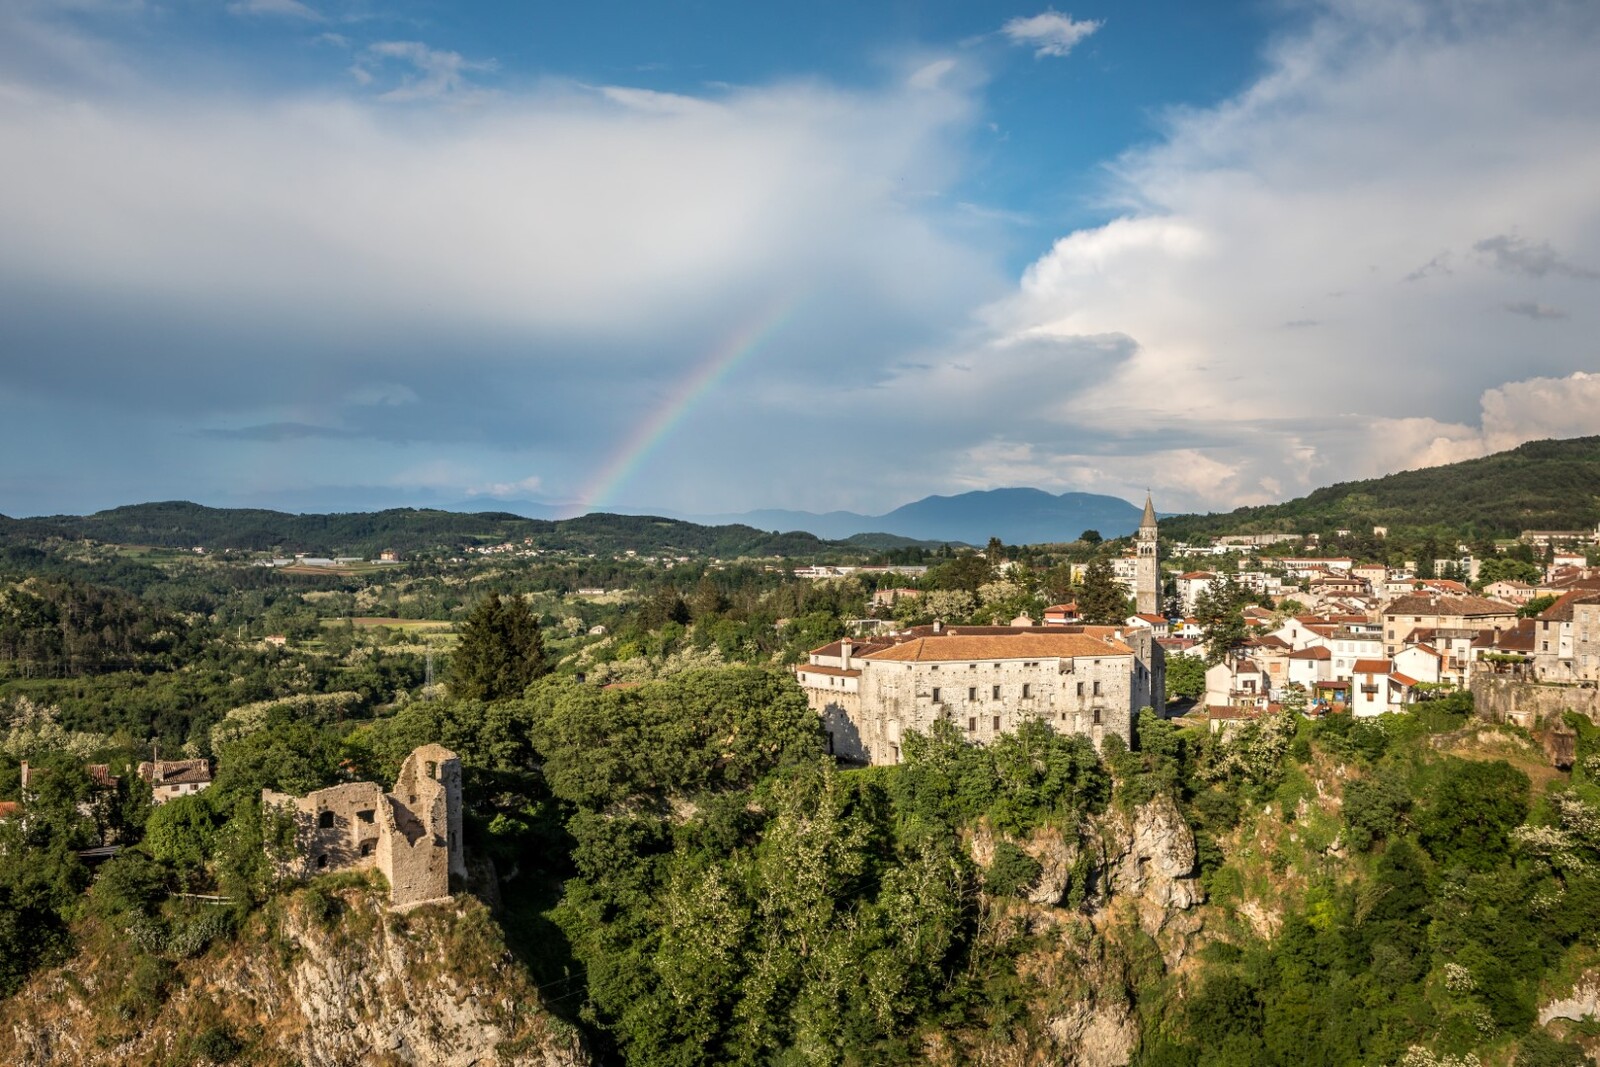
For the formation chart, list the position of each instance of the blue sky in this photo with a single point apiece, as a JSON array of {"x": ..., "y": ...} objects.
[{"x": 332, "y": 255}]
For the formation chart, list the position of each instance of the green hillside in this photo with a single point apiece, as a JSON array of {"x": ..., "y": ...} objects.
[
  {"x": 1539, "y": 485},
  {"x": 180, "y": 524}
]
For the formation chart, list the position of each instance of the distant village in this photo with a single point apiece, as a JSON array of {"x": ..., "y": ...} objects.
[{"x": 1344, "y": 636}]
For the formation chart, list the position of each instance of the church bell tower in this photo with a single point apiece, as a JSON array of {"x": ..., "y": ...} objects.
[{"x": 1147, "y": 567}]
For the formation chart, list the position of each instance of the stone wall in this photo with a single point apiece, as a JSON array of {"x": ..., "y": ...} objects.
[
  {"x": 412, "y": 835},
  {"x": 1531, "y": 704}
]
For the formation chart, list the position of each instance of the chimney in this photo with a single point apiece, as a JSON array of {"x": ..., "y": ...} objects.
[
  {"x": 845, "y": 648},
  {"x": 938, "y": 626}
]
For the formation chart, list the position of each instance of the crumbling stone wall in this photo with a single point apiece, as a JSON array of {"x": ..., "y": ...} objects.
[{"x": 412, "y": 834}]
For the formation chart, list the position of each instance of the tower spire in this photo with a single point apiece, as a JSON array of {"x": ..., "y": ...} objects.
[{"x": 1149, "y": 511}]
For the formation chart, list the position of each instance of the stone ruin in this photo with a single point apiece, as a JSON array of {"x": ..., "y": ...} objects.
[{"x": 412, "y": 834}]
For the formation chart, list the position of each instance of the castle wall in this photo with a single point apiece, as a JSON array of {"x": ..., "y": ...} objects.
[{"x": 412, "y": 835}]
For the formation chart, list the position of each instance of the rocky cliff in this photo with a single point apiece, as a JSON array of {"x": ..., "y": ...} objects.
[{"x": 318, "y": 977}]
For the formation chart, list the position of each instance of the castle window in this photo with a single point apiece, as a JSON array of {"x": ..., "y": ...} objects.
[
  {"x": 1097, "y": 689},
  {"x": 1027, "y": 690},
  {"x": 997, "y": 723},
  {"x": 433, "y": 769},
  {"x": 936, "y": 694},
  {"x": 1080, "y": 689},
  {"x": 322, "y": 862},
  {"x": 325, "y": 820},
  {"x": 997, "y": 692},
  {"x": 365, "y": 816},
  {"x": 972, "y": 693},
  {"x": 366, "y": 848},
  {"x": 1097, "y": 716},
  {"x": 972, "y": 724}
]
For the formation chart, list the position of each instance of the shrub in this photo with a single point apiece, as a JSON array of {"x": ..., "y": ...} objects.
[{"x": 1012, "y": 872}]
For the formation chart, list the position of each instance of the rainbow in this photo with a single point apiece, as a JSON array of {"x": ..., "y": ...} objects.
[{"x": 744, "y": 342}]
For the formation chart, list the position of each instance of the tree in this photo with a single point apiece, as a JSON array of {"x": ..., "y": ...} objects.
[
  {"x": 1101, "y": 601},
  {"x": 1217, "y": 609},
  {"x": 501, "y": 651},
  {"x": 1186, "y": 677},
  {"x": 1090, "y": 537}
]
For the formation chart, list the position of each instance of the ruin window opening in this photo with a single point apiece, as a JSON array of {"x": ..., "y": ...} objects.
[
  {"x": 365, "y": 816},
  {"x": 322, "y": 861},
  {"x": 325, "y": 820}
]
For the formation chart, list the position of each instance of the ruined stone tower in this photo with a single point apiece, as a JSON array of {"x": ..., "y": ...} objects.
[
  {"x": 1147, "y": 568},
  {"x": 412, "y": 834}
]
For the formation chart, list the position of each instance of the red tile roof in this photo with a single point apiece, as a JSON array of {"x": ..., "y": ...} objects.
[
  {"x": 1026, "y": 644},
  {"x": 1370, "y": 666}
]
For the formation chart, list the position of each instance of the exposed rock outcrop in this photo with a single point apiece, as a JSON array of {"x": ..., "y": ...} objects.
[
  {"x": 334, "y": 981},
  {"x": 1583, "y": 1000}
]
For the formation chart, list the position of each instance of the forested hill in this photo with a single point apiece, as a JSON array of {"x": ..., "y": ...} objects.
[
  {"x": 179, "y": 524},
  {"x": 1541, "y": 485}
]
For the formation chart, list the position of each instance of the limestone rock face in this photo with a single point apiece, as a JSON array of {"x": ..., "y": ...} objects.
[
  {"x": 1158, "y": 863},
  {"x": 1096, "y": 1035},
  {"x": 1584, "y": 1000},
  {"x": 364, "y": 985}
]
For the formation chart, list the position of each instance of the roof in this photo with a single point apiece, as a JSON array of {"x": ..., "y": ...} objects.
[
  {"x": 1370, "y": 666},
  {"x": 859, "y": 647},
  {"x": 1561, "y": 610},
  {"x": 837, "y": 672},
  {"x": 1447, "y": 605},
  {"x": 9, "y": 808},
  {"x": 1314, "y": 652},
  {"x": 1149, "y": 518},
  {"x": 1026, "y": 644},
  {"x": 1403, "y": 679},
  {"x": 1434, "y": 652},
  {"x": 1197, "y": 574},
  {"x": 176, "y": 772},
  {"x": 1154, "y": 620}
]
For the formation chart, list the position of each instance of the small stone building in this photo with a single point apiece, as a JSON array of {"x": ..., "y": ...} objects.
[
  {"x": 171, "y": 778},
  {"x": 411, "y": 834}
]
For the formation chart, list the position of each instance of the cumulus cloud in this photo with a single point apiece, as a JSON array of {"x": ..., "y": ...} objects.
[
  {"x": 1050, "y": 33},
  {"x": 1355, "y": 165}
]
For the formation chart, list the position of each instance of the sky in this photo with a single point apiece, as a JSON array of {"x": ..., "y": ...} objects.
[{"x": 704, "y": 257}]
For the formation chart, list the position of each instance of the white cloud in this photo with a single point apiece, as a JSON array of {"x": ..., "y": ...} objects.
[
  {"x": 284, "y": 8},
  {"x": 529, "y": 486},
  {"x": 1397, "y": 177},
  {"x": 1049, "y": 33},
  {"x": 437, "y": 73}
]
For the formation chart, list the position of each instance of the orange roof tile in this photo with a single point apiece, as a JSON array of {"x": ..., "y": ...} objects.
[{"x": 1024, "y": 645}]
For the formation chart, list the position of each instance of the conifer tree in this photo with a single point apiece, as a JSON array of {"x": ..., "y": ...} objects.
[{"x": 501, "y": 651}]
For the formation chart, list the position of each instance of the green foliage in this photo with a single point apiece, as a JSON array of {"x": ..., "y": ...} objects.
[
  {"x": 501, "y": 651},
  {"x": 1472, "y": 807},
  {"x": 1012, "y": 872},
  {"x": 695, "y": 732},
  {"x": 1101, "y": 600},
  {"x": 1186, "y": 677},
  {"x": 1536, "y": 606},
  {"x": 1374, "y": 809}
]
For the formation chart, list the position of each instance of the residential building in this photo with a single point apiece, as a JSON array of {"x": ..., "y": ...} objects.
[{"x": 1429, "y": 610}]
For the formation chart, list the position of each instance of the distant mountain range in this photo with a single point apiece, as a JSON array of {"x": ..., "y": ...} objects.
[{"x": 1016, "y": 516}]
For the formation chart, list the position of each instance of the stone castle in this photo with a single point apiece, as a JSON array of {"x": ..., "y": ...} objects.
[
  {"x": 411, "y": 834},
  {"x": 988, "y": 680}
]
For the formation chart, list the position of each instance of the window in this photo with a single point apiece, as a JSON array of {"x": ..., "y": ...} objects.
[
  {"x": 432, "y": 769},
  {"x": 365, "y": 816},
  {"x": 1080, "y": 689},
  {"x": 1097, "y": 716},
  {"x": 366, "y": 848},
  {"x": 997, "y": 723},
  {"x": 1027, "y": 690},
  {"x": 996, "y": 693},
  {"x": 972, "y": 693},
  {"x": 936, "y": 694},
  {"x": 1096, "y": 688},
  {"x": 325, "y": 820},
  {"x": 972, "y": 724},
  {"x": 322, "y": 862}
]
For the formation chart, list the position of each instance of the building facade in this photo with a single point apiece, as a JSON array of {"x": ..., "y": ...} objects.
[
  {"x": 984, "y": 680},
  {"x": 1147, "y": 564}
]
